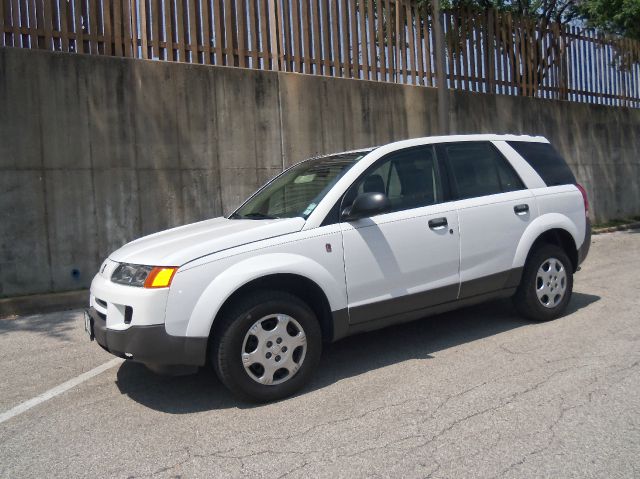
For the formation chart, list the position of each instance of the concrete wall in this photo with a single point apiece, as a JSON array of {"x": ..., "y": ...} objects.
[{"x": 95, "y": 152}]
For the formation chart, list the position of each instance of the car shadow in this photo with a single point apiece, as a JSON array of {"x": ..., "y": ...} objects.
[{"x": 349, "y": 357}]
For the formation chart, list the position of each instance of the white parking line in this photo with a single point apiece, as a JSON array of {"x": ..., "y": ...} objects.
[{"x": 51, "y": 393}]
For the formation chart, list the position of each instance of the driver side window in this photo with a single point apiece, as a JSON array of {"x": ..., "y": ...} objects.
[
  {"x": 383, "y": 179},
  {"x": 409, "y": 178}
]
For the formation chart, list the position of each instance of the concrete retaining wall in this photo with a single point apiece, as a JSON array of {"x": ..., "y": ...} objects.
[{"x": 95, "y": 152}]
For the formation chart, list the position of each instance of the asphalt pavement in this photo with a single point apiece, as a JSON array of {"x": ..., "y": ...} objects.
[{"x": 474, "y": 393}]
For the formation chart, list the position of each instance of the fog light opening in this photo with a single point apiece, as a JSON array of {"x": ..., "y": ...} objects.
[{"x": 128, "y": 314}]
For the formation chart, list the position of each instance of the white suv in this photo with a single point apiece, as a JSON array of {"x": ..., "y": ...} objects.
[{"x": 345, "y": 243}]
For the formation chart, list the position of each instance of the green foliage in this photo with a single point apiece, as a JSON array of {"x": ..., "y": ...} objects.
[
  {"x": 560, "y": 11},
  {"x": 620, "y": 17}
]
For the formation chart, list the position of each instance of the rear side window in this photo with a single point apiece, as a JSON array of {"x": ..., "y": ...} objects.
[
  {"x": 546, "y": 161},
  {"x": 478, "y": 169}
]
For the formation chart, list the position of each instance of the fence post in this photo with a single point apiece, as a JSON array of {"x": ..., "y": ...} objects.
[
  {"x": 273, "y": 35},
  {"x": 48, "y": 28},
  {"x": 489, "y": 51},
  {"x": 562, "y": 39},
  {"x": 399, "y": 61},
  {"x": 443, "y": 93},
  {"x": 79, "y": 40},
  {"x": 2, "y": 35}
]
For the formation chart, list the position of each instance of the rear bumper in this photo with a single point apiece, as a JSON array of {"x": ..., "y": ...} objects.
[
  {"x": 148, "y": 344},
  {"x": 586, "y": 244}
]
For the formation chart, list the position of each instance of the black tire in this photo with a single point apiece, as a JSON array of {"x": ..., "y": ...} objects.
[
  {"x": 526, "y": 298},
  {"x": 229, "y": 336}
]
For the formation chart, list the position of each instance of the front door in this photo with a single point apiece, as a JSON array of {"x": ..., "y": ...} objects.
[{"x": 407, "y": 259}]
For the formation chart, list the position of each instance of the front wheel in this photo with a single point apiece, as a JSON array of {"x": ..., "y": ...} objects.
[
  {"x": 546, "y": 285},
  {"x": 267, "y": 346}
]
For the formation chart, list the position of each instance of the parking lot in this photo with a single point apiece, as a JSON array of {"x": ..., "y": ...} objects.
[{"x": 474, "y": 393}]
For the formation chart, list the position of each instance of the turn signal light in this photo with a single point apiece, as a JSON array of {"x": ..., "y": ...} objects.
[{"x": 160, "y": 277}]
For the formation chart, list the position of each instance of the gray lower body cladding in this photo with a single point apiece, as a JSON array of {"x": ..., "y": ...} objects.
[
  {"x": 149, "y": 344},
  {"x": 415, "y": 306}
]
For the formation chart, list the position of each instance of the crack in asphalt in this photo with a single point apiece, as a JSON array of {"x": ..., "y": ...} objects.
[
  {"x": 563, "y": 411},
  {"x": 616, "y": 371},
  {"x": 395, "y": 444}
]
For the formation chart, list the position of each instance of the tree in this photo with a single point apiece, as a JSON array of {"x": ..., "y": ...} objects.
[
  {"x": 618, "y": 17},
  {"x": 538, "y": 18},
  {"x": 613, "y": 17},
  {"x": 558, "y": 11}
]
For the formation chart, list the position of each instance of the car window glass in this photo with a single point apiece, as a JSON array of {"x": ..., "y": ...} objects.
[
  {"x": 509, "y": 179},
  {"x": 394, "y": 188},
  {"x": 409, "y": 179},
  {"x": 546, "y": 161},
  {"x": 479, "y": 170},
  {"x": 298, "y": 190}
]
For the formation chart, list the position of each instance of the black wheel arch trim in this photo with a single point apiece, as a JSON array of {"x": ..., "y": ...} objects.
[
  {"x": 300, "y": 286},
  {"x": 562, "y": 238}
]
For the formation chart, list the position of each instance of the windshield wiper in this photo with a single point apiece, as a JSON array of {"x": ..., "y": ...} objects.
[
  {"x": 257, "y": 216},
  {"x": 235, "y": 216}
]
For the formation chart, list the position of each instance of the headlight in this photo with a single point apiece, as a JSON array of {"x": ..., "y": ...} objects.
[
  {"x": 131, "y": 274},
  {"x": 143, "y": 276}
]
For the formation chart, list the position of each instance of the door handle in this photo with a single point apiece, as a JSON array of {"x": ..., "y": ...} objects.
[
  {"x": 521, "y": 209},
  {"x": 438, "y": 223}
]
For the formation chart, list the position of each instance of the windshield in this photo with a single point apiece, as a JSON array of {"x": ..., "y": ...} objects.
[{"x": 298, "y": 190}]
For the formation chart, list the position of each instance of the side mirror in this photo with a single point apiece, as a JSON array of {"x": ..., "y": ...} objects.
[{"x": 366, "y": 204}]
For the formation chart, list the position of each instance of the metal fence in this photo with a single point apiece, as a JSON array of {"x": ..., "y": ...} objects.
[{"x": 380, "y": 40}]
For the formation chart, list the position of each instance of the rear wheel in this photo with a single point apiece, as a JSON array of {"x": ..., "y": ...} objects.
[
  {"x": 546, "y": 285},
  {"x": 267, "y": 346}
]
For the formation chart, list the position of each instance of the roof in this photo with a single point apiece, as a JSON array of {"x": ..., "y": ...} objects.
[
  {"x": 474, "y": 137},
  {"x": 425, "y": 140}
]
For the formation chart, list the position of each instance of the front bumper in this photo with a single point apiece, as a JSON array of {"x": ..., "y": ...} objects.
[{"x": 148, "y": 344}]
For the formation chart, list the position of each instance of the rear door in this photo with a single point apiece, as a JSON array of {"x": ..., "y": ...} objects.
[
  {"x": 559, "y": 195},
  {"x": 494, "y": 209},
  {"x": 406, "y": 259}
]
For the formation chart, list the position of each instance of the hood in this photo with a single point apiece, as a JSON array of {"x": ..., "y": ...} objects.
[{"x": 180, "y": 245}]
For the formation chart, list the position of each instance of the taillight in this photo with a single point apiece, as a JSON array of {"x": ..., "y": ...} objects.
[{"x": 584, "y": 198}]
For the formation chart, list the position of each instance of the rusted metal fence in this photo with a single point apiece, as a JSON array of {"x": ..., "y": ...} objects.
[{"x": 380, "y": 40}]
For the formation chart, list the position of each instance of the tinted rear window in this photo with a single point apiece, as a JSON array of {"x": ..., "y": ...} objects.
[{"x": 546, "y": 161}]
